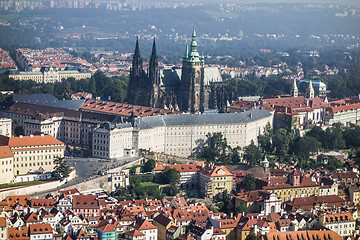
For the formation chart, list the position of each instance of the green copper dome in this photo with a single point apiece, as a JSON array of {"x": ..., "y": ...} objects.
[{"x": 193, "y": 55}]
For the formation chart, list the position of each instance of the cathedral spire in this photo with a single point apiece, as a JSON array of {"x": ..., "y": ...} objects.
[
  {"x": 137, "y": 64},
  {"x": 153, "y": 66},
  {"x": 153, "y": 52},
  {"x": 294, "y": 89},
  {"x": 310, "y": 93},
  {"x": 137, "y": 51},
  {"x": 193, "y": 55}
]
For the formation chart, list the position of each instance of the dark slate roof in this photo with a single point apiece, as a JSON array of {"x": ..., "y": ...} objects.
[
  {"x": 202, "y": 119},
  {"x": 48, "y": 100},
  {"x": 172, "y": 77}
]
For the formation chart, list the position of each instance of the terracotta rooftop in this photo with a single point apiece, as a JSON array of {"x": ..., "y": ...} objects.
[
  {"x": 215, "y": 171},
  {"x": 5, "y": 152},
  {"x": 40, "y": 228},
  {"x": 304, "y": 235},
  {"x": 85, "y": 201},
  {"x": 123, "y": 109}
]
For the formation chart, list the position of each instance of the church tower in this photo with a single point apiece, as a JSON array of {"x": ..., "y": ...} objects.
[
  {"x": 191, "y": 95},
  {"x": 139, "y": 87},
  {"x": 154, "y": 78},
  {"x": 294, "y": 90},
  {"x": 310, "y": 93}
]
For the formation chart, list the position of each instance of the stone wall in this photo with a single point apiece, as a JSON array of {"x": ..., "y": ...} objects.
[{"x": 33, "y": 189}]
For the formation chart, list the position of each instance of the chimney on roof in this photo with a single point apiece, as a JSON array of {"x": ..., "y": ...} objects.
[{"x": 21, "y": 136}]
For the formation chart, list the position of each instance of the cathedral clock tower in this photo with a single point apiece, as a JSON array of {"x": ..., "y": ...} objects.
[{"x": 191, "y": 95}]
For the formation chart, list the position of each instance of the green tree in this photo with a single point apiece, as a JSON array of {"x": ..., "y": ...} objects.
[
  {"x": 216, "y": 147},
  {"x": 333, "y": 163},
  {"x": 171, "y": 176},
  {"x": 281, "y": 142},
  {"x": 252, "y": 236},
  {"x": 149, "y": 165},
  {"x": 252, "y": 154},
  {"x": 61, "y": 169},
  {"x": 173, "y": 190},
  {"x": 248, "y": 183},
  {"x": 304, "y": 146},
  {"x": 264, "y": 139},
  {"x": 17, "y": 130}
]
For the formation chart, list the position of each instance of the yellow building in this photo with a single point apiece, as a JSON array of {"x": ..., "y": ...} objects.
[
  {"x": 163, "y": 223},
  {"x": 49, "y": 75},
  {"x": 214, "y": 181},
  {"x": 296, "y": 185},
  {"x": 227, "y": 225},
  {"x": 34, "y": 152}
]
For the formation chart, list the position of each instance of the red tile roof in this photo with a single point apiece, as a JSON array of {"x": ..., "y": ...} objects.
[
  {"x": 179, "y": 167},
  {"x": 18, "y": 234},
  {"x": 123, "y": 109},
  {"x": 215, "y": 171},
  {"x": 85, "y": 201},
  {"x": 5, "y": 152},
  {"x": 36, "y": 140},
  {"x": 40, "y": 228},
  {"x": 304, "y": 235}
]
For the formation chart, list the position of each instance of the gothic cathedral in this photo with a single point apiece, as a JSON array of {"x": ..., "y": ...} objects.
[{"x": 192, "y": 89}]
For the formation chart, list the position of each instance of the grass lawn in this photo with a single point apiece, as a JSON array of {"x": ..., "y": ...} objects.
[
  {"x": 149, "y": 184},
  {"x": 10, "y": 185}
]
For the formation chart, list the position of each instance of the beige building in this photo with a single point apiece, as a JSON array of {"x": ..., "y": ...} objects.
[
  {"x": 5, "y": 127},
  {"x": 7, "y": 167},
  {"x": 49, "y": 75},
  {"x": 179, "y": 135},
  {"x": 33, "y": 153},
  {"x": 341, "y": 223},
  {"x": 214, "y": 181}
]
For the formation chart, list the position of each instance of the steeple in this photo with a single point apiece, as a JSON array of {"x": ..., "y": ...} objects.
[
  {"x": 294, "y": 89},
  {"x": 137, "y": 51},
  {"x": 193, "y": 54},
  {"x": 310, "y": 93},
  {"x": 137, "y": 64},
  {"x": 153, "y": 65},
  {"x": 153, "y": 52}
]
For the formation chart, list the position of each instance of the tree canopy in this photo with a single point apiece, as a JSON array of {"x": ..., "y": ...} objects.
[{"x": 61, "y": 169}]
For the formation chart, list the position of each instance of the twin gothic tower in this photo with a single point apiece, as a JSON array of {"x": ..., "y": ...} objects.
[{"x": 184, "y": 90}]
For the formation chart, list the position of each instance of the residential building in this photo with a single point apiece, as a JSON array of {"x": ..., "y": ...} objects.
[
  {"x": 341, "y": 223},
  {"x": 163, "y": 223},
  {"x": 5, "y": 127},
  {"x": 214, "y": 181},
  {"x": 293, "y": 186},
  {"x": 145, "y": 227},
  {"x": 119, "y": 179},
  {"x": 87, "y": 205},
  {"x": 41, "y": 231},
  {"x": 7, "y": 165},
  {"x": 3, "y": 229},
  {"x": 305, "y": 235}
]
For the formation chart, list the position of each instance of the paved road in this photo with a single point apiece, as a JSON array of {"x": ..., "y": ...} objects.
[{"x": 90, "y": 168}]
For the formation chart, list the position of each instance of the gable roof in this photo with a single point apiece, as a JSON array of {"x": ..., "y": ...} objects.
[
  {"x": 35, "y": 140},
  {"x": 85, "y": 201},
  {"x": 162, "y": 220},
  {"x": 40, "y": 228},
  {"x": 215, "y": 171},
  {"x": 143, "y": 224},
  {"x": 5, "y": 152}
]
